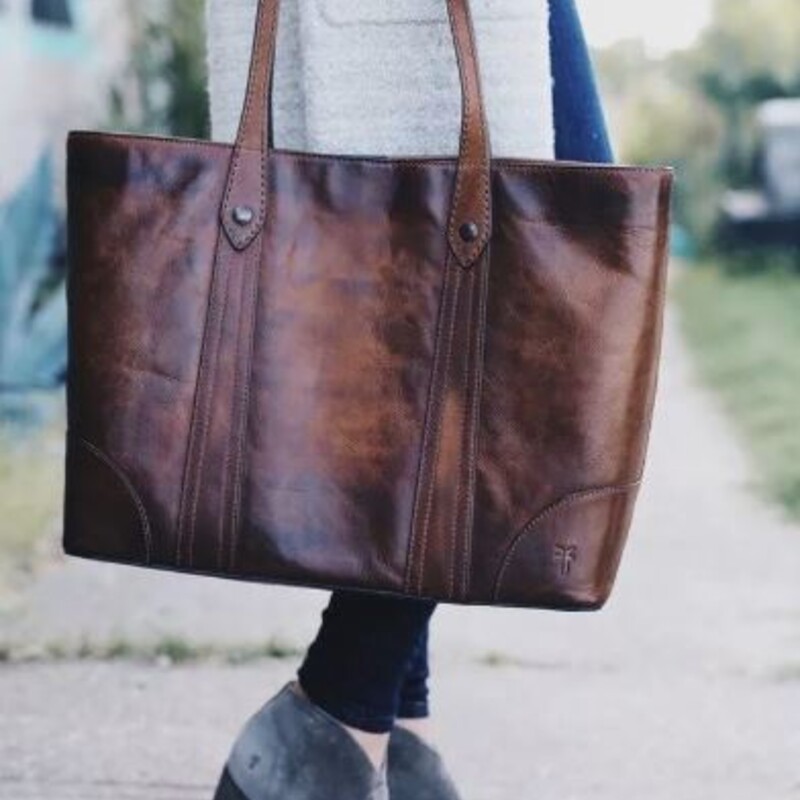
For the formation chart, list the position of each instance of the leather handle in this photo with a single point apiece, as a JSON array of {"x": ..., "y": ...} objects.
[
  {"x": 244, "y": 206},
  {"x": 246, "y": 189}
]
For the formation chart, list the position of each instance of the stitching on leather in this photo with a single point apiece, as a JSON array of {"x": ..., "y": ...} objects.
[
  {"x": 474, "y": 443},
  {"x": 437, "y": 437},
  {"x": 436, "y": 421},
  {"x": 245, "y": 402},
  {"x": 598, "y": 225},
  {"x": 466, "y": 159},
  {"x": 235, "y": 445},
  {"x": 484, "y": 162},
  {"x": 206, "y": 411},
  {"x": 556, "y": 507},
  {"x": 229, "y": 448},
  {"x": 187, "y": 485},
  {"x": 250, "y": 271},
  {"x": 262, "y": 59},
  {"x": 463, "y": 155},
  {"x": 422, "y": 486},
  {"x": 431, "y": 416},
  {"x": 202, "y": 434},
  {"x": 557, "y": 167},
  {"x": 255, "y": 69},
  {"x": 116, "y": 470},
  {"x": 466, "y": 432},
  {"x": 465, "y": 419},
  {"x": 500, "y": 164},
  {"x": 486, "y": 169}
]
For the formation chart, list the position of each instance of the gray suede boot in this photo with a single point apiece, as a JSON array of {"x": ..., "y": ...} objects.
[
  {"x": 293, "y": 750},
  {"x": 416, "y": 770}
]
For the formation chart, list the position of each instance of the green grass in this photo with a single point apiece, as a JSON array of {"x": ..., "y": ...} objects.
[
  {"x": 744, "y": 328},
  {"x": 31, "y": 479},
  {"x": 165, "y": 651}
]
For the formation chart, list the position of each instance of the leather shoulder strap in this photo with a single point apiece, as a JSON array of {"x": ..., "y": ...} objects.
[{"x": 244, "y": 209}]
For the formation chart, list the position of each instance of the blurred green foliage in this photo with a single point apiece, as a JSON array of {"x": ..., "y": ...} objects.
[
  {"x": 695, "y": 108},
  {"x": 168, "y": 69},
  {"x": 31, "y": 477},
  {"x": 745, "y": 333}
]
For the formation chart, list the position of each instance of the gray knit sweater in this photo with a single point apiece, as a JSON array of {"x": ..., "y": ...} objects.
[{"x": 379, "y": 77}]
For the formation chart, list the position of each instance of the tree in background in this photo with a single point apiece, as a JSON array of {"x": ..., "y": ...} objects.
[
  {"x": 695, "y": 108},
  {"x": 169, "y": 69}
]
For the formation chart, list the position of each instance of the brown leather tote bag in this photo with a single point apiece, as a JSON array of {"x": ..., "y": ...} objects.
[{"x": 424, "y": 376}]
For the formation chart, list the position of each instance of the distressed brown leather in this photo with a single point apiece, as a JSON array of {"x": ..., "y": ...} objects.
[{"x": 343, "y": 392}]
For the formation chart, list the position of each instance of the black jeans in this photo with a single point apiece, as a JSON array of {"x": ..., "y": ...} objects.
[{"x": 369, "y": 662}]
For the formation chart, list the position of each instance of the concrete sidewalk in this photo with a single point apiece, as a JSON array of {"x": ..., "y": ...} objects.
[{"x": 685, "y": 687}]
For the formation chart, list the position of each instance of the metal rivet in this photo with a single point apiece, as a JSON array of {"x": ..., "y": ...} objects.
[
  {"x": 469, "y": 231},
  {"x": 242, "y": 215}
]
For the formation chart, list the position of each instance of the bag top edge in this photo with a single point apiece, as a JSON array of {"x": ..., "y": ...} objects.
[{"x": 78, "y": 136}]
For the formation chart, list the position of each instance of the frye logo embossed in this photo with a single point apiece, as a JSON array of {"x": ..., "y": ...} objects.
[{"x": 565, "y": 555}]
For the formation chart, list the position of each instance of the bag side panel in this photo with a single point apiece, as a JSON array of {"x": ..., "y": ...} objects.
[
  {"x": 573, "y": 334},
  {"x": 142, "y": 230}
]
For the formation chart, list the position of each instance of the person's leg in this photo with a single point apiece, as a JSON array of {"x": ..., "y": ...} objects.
[
  {"x": 416, "y": 768},
  {"x": 580, "y": 127},
  {"x": 356, "y": 666},
  {"x": 347, "y": 697},
  {"x": 414, "y": 710},
  {"x": 414, "y": 691}
]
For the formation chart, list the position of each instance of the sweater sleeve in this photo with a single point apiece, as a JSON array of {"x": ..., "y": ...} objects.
[{"x": 381, "y": 77}]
